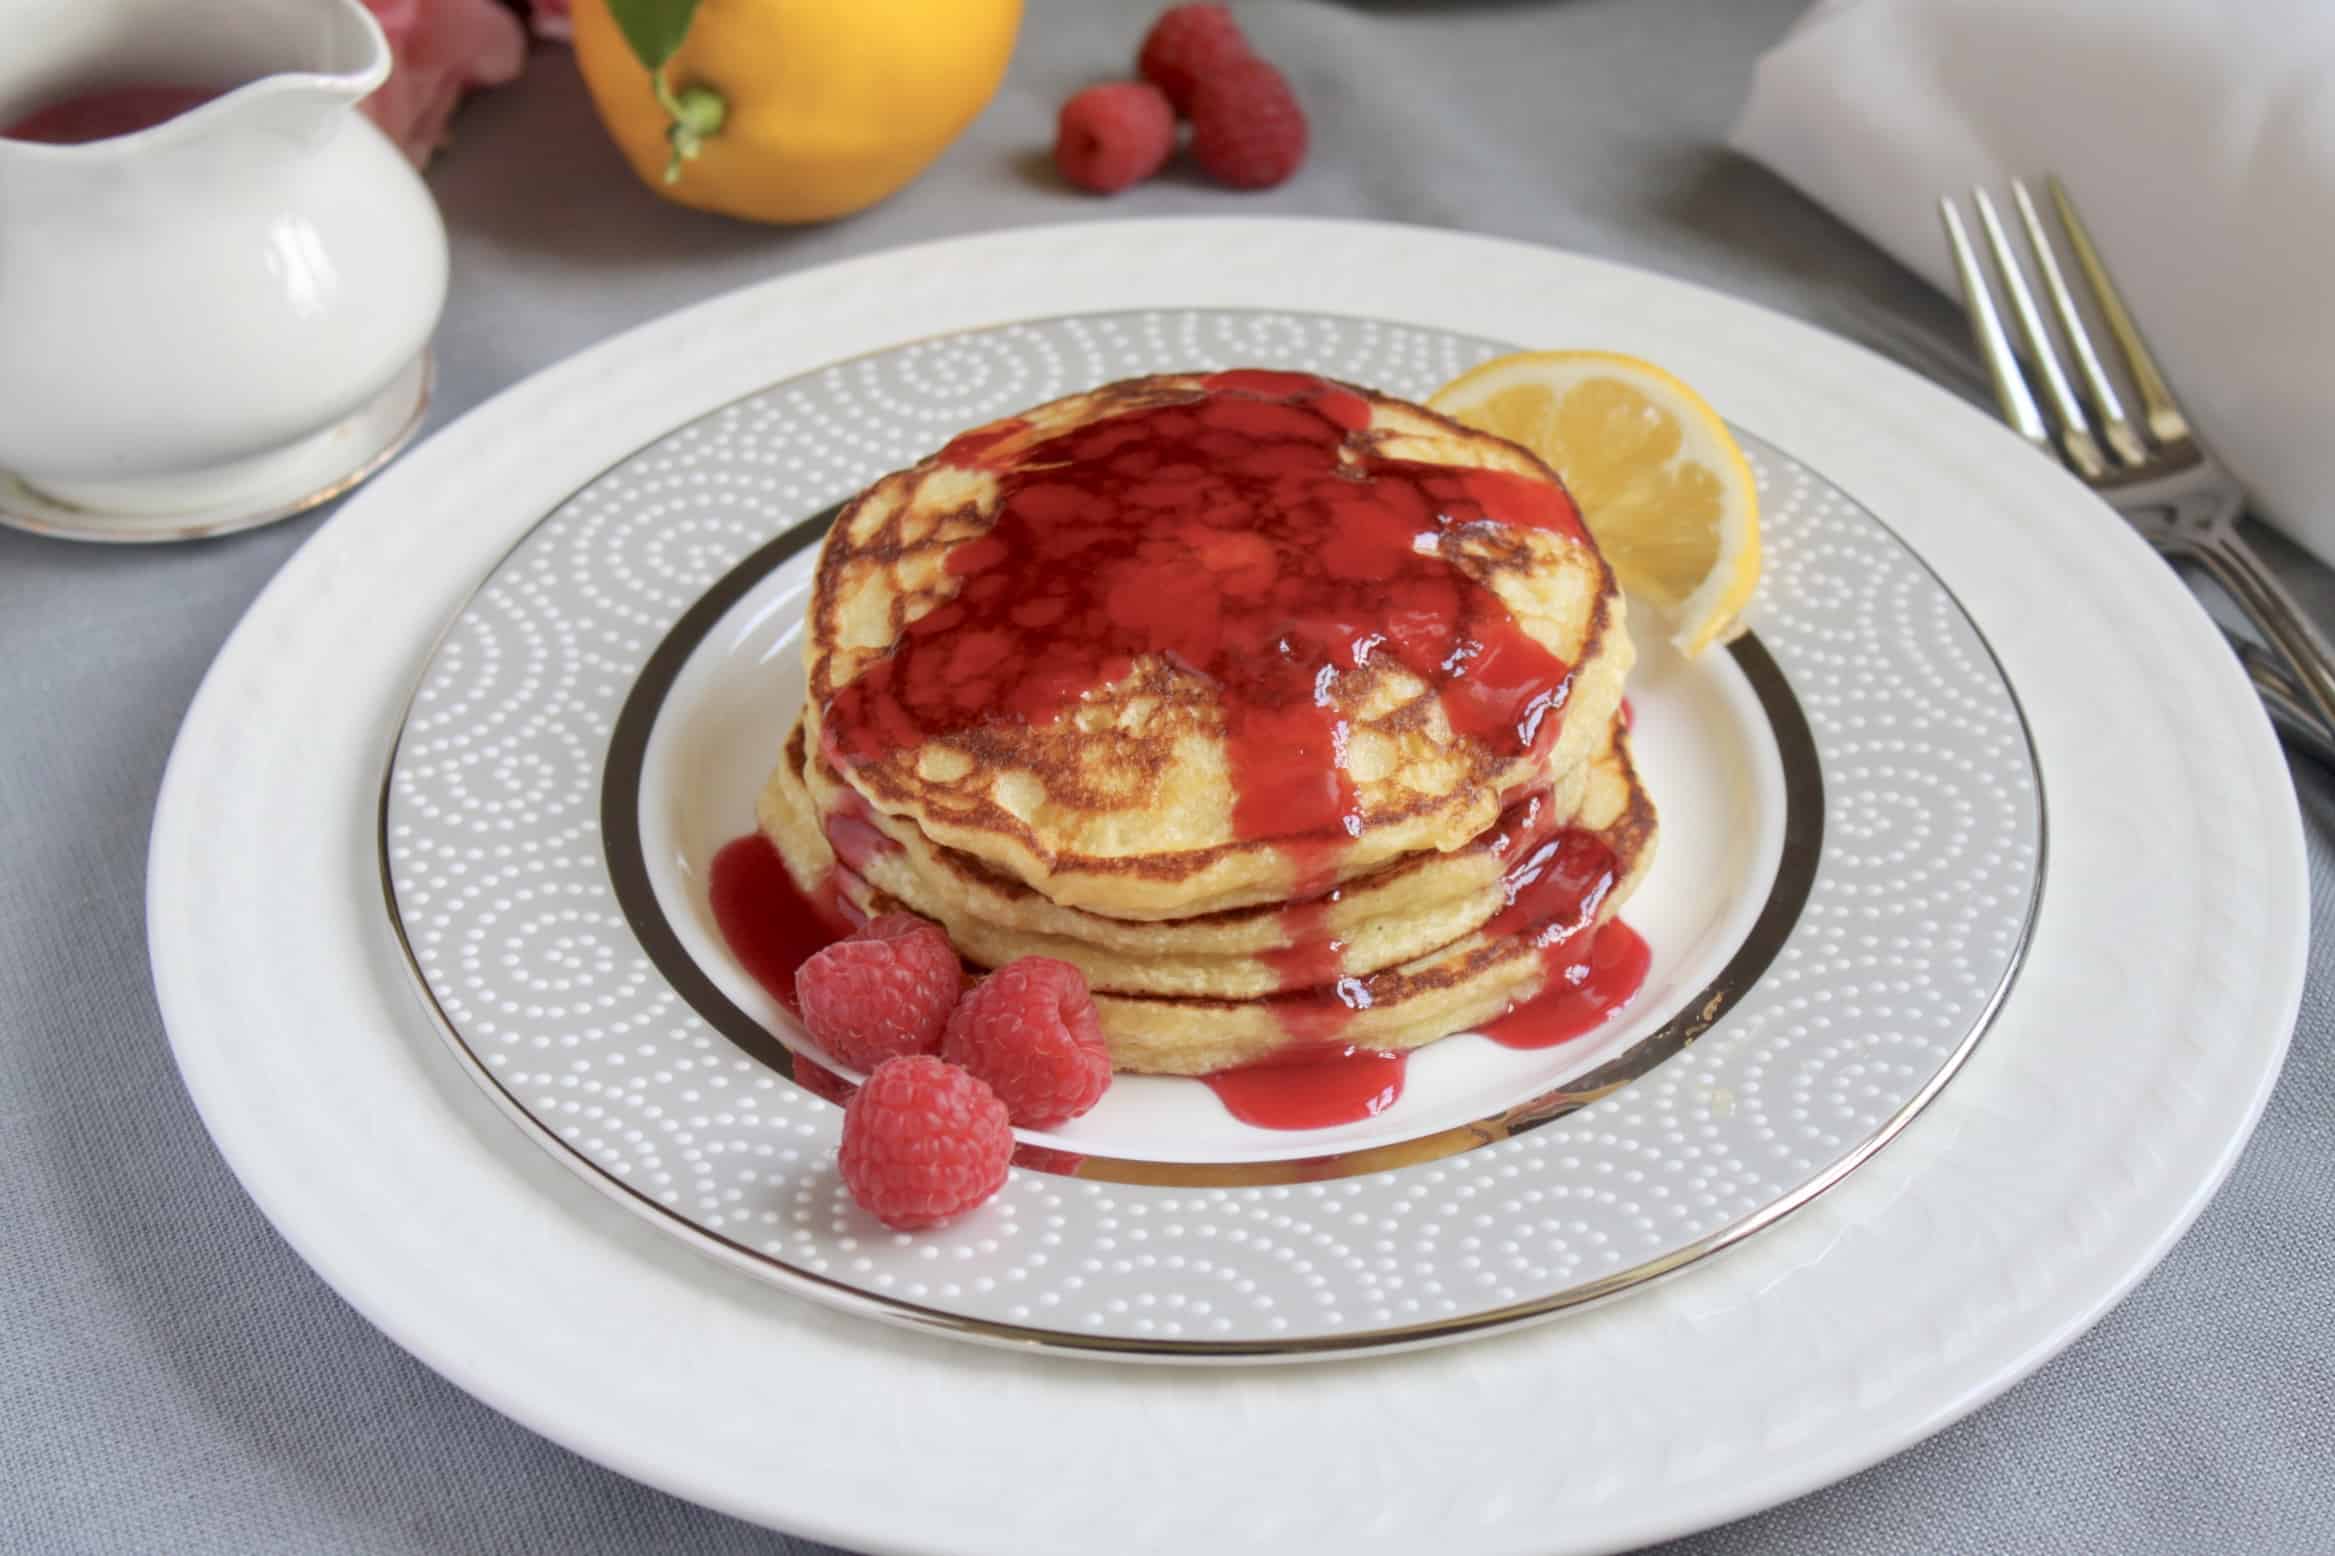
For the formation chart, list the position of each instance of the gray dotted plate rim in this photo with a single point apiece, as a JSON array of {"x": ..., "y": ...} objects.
[
  {"x": 857, "y": 1297},
  {"x": 626, "y": 855}
]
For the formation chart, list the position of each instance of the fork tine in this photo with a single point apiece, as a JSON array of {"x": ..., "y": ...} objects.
[
  {"x": 2165, "y": 421},
  {"x": 2076, "y": 440},
  {"x": 2115, "y": 426},
  {"x": 1986, "y": 329}
]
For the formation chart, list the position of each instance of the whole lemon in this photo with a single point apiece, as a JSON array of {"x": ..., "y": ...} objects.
[{"x": 801, "y": 110}]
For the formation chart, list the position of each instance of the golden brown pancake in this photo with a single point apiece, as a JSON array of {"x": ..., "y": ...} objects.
[
  {"x": 1130, "y": 795},
  {"x": 1477, "y": 975},
  {"x": 1403, "y": 910}
]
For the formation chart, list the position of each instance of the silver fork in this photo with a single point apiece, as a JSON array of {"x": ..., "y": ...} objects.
[
  {"x": 2153, "y": 470},
  {"x": 2284, "y": 700}
]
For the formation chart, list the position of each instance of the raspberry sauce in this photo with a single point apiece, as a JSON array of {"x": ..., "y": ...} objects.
[
  {"x": 1311, "y": 959},
  {"x": 1589, "y": 990},
  {"x": 770, "y": 926},
  {"x": 1555, "y": 880},
  {"x": 1309, "y": 1086},
  {"x": 1308, "y": 966},
  {"x": 851, "y": 831},
  {"x": 984, "y": 447},
  {"x": 1555, "y": 884},
  {"x": 106, "y": 113},
  {"x": 1554, "y": 887},
  {"x": 1311, "y": 1089},
  {"x": 1249, "y": 533}
]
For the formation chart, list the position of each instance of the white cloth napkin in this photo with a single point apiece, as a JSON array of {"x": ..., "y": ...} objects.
[{"x": 2197, "y": 136}]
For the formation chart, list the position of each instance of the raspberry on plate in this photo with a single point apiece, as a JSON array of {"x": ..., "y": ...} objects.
[
  {"x": 1030, "y": 1030},
  {"x": 886, "y": 991},
  {"x": 1185, "y": 46},
  {"x": 1247, "y": 128},
  {"x": 923, "y": 1142},
  {"x": 1113, "y": 135}
]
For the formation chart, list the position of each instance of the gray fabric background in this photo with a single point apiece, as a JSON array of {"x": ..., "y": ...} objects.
[{"x": 173, "y": 1379}]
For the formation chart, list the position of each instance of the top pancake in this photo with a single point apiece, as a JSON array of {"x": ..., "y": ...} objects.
[{"x": 1143, "y": 759}]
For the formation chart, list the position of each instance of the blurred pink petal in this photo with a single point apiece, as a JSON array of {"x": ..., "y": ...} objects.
[
  {"x": 550, "y": 19},
  {"x": 442, "y": 48}
]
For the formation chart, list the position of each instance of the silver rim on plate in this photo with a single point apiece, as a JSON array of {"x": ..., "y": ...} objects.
[{"x": 628, "y": 868}]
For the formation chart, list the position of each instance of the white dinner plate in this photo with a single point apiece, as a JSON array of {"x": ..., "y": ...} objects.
[{"x": 2118, "y": 1081}]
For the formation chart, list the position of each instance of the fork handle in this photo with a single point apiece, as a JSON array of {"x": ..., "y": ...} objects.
[
  {"x": 2282, "y": 700},
  {"x": 2235, "y": 566}
]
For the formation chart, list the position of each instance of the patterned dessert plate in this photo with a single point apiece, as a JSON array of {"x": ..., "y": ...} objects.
[{"x": 1851, "y": 857}]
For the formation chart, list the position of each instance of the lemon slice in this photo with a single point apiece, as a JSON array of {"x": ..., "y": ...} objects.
[{"x": 1661, "y": 484}]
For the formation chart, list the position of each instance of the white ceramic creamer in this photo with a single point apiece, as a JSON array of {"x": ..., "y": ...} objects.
[{"x": 186, "y": 310}]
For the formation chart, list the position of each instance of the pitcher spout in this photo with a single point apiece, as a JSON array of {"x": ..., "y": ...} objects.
[
  {"x": 215, "y": 264},
  {"x": 86, "y": 82}
]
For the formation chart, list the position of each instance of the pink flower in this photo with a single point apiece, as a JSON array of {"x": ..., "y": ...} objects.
[
  {"x": 442, "y": 48},
  {"x": 550, "y": 18}
]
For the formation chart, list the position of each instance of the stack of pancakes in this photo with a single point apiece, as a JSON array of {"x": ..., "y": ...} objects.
[{"x": 1109, "y": 811}]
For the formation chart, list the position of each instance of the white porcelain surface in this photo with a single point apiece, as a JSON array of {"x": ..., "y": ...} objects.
[
  {"x": 314, "y": 470},
  {"x": 2080, "y": 1140},
  {"x": 187, "y": 307},
  {"x": 1888, "y": 742},
  {"x": 1699, "y": 731}
]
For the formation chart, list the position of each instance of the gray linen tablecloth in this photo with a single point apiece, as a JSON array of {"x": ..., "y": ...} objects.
[{"x": 175, "y": 1380}]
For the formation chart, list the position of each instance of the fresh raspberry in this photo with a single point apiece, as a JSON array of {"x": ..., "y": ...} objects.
[
  {"x": 923, "y": 1143},
  {"x": 886, "y": 991},
  {"x": 1187, "y": 45},
  {"x": 1247, "y": 129},
  {"x": 1113, "y": 135},
  {"x": 1029, "y": 1029}
]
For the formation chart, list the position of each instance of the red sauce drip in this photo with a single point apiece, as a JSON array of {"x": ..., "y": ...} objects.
[
  {"x": 1527, "y": 819},
  {"x": 1587, "y": 991},
  {"x": 1317, "y": 1018},
  {"x": 979, "y": 448},
  {"x": 1629, "y": 717},
  {"x": 1247, "y": 533},
  {"x": 1554, "y": 886},
  {"x": 852, "y": 832},
  {"x": 1311, "y": 959},
  {"x": 106, "y": 113},
  {"x": 1315, "y": 1091},
  {"x": 770, "y": 926}
]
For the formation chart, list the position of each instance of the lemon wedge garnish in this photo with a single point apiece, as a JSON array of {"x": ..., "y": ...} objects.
[{"x": 1661, "y": 484}]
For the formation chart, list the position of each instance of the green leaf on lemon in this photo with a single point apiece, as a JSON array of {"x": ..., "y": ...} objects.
[{"x": 654, "y": 28}]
